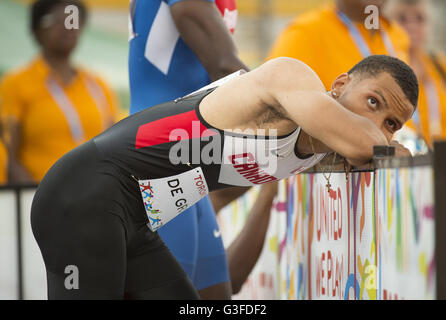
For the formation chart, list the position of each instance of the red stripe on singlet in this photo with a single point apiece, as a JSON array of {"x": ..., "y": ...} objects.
[{"x": 158, "y": 131}]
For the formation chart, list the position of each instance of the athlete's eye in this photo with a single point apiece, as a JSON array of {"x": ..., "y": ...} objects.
[
  {"x": 391, "y": 124},
  {"x": 373, "y": 103}
]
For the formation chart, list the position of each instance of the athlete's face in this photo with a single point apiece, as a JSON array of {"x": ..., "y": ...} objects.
[{"x": 379, "y": 99}]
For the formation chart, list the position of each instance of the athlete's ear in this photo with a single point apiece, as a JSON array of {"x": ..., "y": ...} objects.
[{"x": 340, "y": 83}]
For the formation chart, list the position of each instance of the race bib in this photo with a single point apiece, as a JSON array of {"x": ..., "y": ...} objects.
[{"x": 165, "y": 198}]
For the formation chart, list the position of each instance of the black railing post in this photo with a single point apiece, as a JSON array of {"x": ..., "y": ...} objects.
[
  {"x": 383, "y": 151},
  {"x": 17, "y": 192},
  {"x": 440, "y": 217}
]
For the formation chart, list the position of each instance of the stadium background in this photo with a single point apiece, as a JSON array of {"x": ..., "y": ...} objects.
[{"x": 104, "y": 46}]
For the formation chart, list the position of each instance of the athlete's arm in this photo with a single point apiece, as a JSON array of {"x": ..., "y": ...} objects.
[
  {"x": 202, "y": 28},
  {"x": 295, "y": 92},
  {"x": 245, "y": 250},
  {"x": 321, "y": 116}
]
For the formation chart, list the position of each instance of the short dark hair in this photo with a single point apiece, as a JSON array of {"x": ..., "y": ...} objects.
[
  {"x": 399, "y": 70},
  {"x": 41, "y": 8}
]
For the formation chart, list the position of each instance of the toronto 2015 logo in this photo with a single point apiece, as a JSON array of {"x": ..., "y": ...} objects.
[{"x": 148, "y": 195}]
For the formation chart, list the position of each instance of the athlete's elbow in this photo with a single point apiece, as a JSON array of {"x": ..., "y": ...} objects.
[{"x": 363, "y": 152}]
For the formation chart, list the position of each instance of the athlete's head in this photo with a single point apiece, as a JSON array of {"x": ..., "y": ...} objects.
[
  {"x": 381, "y": 88},
  {"x": 54, "y": 29}
]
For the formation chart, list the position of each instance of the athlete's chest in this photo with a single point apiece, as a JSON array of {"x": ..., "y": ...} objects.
[{"x": 248, "y": 160}]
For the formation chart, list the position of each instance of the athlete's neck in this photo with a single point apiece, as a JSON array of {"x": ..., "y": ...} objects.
[{"x": 60, "y": 64}]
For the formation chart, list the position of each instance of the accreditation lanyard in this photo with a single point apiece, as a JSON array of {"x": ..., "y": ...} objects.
[
  {"x": 359, "y": 39},
  {"x": 69, "y": 111},
  {"x": 100, "y": 100},
  {"x": 433, "y": 102},
  {"x": 433, "y": 106}
]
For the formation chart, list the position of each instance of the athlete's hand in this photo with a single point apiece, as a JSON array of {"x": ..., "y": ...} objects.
[
  {"x": 400, "y": 150},
  {"x": 350, "y": 164}
]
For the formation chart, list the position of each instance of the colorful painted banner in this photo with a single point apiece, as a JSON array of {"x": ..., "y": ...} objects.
[{"x": 368, "y": 237}]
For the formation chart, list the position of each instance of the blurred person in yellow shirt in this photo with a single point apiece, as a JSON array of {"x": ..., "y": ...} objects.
[
  {"x": 429, "y": 121},
  {"x": 334, "y": 37},
  {"x": 3, "y": 163},
  {"x": 50, "y": 106}
]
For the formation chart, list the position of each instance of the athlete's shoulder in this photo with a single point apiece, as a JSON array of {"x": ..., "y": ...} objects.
[
  {"x": 285, "y": 69},
  {"x": 283, "y": 62}
]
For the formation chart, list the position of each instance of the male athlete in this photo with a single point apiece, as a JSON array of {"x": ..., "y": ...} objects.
[
  {"x": 92, "y": 208},
  {"x": 177, "y": 47}
]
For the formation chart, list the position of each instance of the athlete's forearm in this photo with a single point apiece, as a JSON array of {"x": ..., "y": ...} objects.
[
  {"x": 342, "y": 131},
  {"x": 245, "y": 250}
]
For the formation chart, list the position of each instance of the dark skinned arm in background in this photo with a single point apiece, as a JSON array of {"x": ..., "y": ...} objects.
[
  {"x": 202, "y": 28},
  {"x": 245, "y": 250}
]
